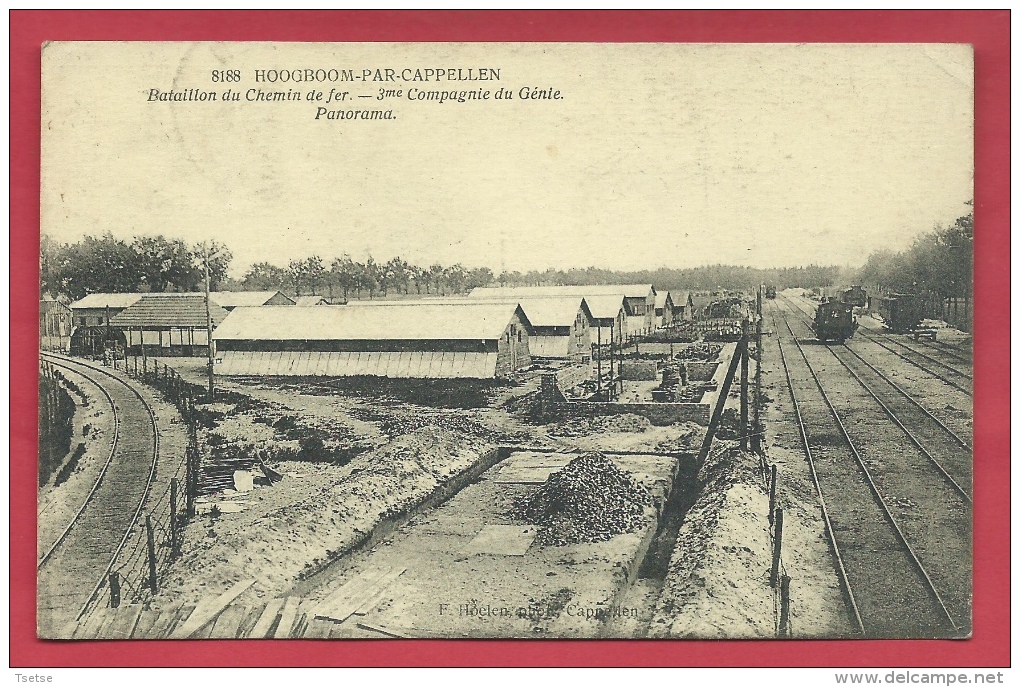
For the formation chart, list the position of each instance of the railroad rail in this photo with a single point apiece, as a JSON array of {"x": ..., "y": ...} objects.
[
  {"x": 895, "y": 595},
  {"x": 934, "y": 430},
  {"x": 965, "y": 381},
  {"x": 87, "y": 550},
  {"x": 966, "y": 377}
]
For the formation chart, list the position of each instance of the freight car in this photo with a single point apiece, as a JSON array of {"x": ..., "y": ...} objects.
[
  {"x": 770, "y": 292},
  {"x": 834, "y": 321},
  {"x": 900, "y": 311},
  {"x": 95, "y": 341},
  {"x": 855, "y": 295}
]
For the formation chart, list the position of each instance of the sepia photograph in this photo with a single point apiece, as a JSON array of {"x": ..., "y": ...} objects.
[{"x": 348, "y": 341}]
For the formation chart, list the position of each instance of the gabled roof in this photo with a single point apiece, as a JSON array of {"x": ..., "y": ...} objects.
[
  {"x": 240, "y": 299},
  {"x": 403, "y": 320},
  {"x": 168, "y": 310},
  {"x": 681, "y": 298},
  {"x": 626, "y": 290},
  {"x": 106, "y": 300},
  {"x": 604, "y": 307},
  {"x": 660, "y": 299},
  {"x": 48, "y": 305},
  {"x": 306, "y": 301}
]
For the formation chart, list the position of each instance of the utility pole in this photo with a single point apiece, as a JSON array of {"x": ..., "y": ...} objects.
[{"x": 208, "y": 321}]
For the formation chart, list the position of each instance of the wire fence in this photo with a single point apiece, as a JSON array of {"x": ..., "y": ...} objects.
[{"x": 140, "y": 569}]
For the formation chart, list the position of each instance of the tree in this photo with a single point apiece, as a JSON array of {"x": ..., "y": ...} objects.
[
  {"x": 345, "y": 273},
  {"x": 263, "y": 276},
  {"x": 315, "y": 273},
  {"x": 219, "y": 263},
  {"x": 166, "y": 264}
]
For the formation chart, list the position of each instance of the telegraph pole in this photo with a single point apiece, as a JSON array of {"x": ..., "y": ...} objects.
[{"x": 208, "y": 321}]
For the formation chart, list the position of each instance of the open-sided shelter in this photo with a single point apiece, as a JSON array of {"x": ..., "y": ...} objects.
[{"x": 168, "y": 323}]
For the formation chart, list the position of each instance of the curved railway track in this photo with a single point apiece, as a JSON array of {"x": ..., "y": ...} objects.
[
  {"x": 887, "y": 587},
  {"x": 73, "y": 571}
]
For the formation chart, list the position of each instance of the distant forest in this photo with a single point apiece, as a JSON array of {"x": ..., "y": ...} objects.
[{"x": 939, "y": 263}]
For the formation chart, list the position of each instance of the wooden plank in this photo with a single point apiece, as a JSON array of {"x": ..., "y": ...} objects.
[
  {"x": 88, "y": 628},
  {"x": 345, "y": 610},
  {"x": 168, "y": 620},
  {"x": 384, "y": 630},
  {"x": 318, "y": 629},
  {"x": 288, "y": 616},
  {"x": 248, "y": 623},
  {"x": 229, "y": 621},
  {"x": 370, "y": 604},
  {"x": 123, "y": 624},
  {"x": 300, "y": 625},
  {"x": 349, "y": 590},
  {"x": 144, "y": 625},
  {"x": 208, "y": 610},
  {"x": 266, "y": 620}
]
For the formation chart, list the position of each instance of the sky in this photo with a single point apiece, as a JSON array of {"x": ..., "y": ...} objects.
[{"x": 654, "y": 155}]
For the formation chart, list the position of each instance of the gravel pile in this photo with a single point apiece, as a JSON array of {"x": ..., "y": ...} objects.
[
  {"x": 589, "y": 500},
  {"x": 699, "y": 351}
]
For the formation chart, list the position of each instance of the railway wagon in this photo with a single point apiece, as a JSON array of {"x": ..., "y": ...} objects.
[
  {"x": 855, "y": 295},
  {"x": 834, "y": 321},
  {"x": 770, "y": 292},
  {"x": 900, "y": 311}
]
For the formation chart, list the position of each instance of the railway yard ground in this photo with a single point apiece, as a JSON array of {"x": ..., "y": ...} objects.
[{"x": 357, "y": 510}]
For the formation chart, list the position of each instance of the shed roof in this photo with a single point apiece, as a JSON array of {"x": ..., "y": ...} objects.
[
  {"x": 168, "y": 310},
  {"x": 551, "y": 311},
  {"x": 626, "y": 290},
  {"x": 240, "y": 299},
  {"x": 106, "y": 300},
  {"x": 407, "y": 321}
]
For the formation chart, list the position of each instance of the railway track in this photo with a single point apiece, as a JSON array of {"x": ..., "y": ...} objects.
[
  {"x": 960, "y": 379},
  {"x": 892, "y": 571},
  {"x": 951, "y": 375},
  {"x": 75, "y": 568},
  {"x": 951, "y": 454}
]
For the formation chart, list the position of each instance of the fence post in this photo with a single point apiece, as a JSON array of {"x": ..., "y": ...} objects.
[
  {"x": 777, "y": 548},
  {"x": 175, "y": 538},
  {"x": 784, "y": 606},
  {"x": 151, "y": 542},
  {"x": 772, "y": 493},
  {"x": 192, "y": 471},
  {"x": 743, "y": 384},
  {"x": 114, "y": 589}
]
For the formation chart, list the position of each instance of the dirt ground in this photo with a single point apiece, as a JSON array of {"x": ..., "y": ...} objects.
[
  {"x": 450, "y": 590},
  {"x": 401, "y": 453}
]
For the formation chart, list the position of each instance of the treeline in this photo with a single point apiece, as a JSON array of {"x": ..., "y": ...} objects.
[
  {"x": 108, "y": 264},
  {"x": 940, "y": 264},
  {"x": 146, "y": 263}
]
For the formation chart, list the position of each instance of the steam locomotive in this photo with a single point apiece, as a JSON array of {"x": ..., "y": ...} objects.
[{"x": 834, "y": 321}]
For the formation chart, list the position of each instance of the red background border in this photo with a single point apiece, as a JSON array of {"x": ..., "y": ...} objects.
[{"x": 988, "y": 31}]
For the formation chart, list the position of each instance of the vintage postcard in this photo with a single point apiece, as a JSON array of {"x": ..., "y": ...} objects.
[{"x": 505, "y": 340}]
